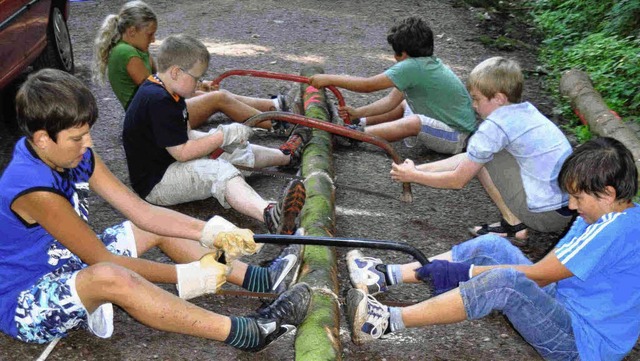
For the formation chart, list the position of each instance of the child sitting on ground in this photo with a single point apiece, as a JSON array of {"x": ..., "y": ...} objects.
[
  {"x": 427, "y": 99},
  {"x": 169, "y": 164},
  {"x": 57, "y": 275},
  {"x": 581, "y": 301},
  {"x": 122, "y": 53},
  {"x": 516, "y": 153}
]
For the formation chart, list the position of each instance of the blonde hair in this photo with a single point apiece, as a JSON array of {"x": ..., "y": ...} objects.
[
  {"x": 183, "y": 51},
  {"x": 497, "y": 75},
  {"x": 133, "y": 13}
]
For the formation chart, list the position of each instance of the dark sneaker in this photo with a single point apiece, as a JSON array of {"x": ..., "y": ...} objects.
[
  {"x": 269, "y": 330},
  {"x": 290, "y": 308},
  {"x": 281, "y": 218},
  {"x": 368, "y": 318},
  {"x": 364, "y": 273},
  {"x": 283, "y": 270},
  {"x": 294, "y": 146}
]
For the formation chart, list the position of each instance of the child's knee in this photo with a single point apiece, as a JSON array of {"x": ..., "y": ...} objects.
[{"x": 109, "y": 278}]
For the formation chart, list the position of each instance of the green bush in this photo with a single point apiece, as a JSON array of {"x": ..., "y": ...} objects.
[{"x": 599, "y": 37}]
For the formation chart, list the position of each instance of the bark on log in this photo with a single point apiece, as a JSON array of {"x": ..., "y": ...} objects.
[
  {"x": 592, "y": 110},
  {"x": 318, "y": 337}
]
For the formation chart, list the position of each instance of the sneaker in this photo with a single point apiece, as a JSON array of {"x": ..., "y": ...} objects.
[
  {"x": 290, "y": 308},
  {"x": 294, "y": 146},
  {"x": 365, "y": 274},
  {"x": 283, "y": 270},
  {"x": 368, "y": 318},
  {"x": 269, "y": 331},
  {"x": 281, "y": 218}
]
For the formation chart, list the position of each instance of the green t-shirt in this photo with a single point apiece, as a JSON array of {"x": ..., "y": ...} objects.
[
  {"x": 432, "y": 89},
  {"x": 120, "y": 81}
]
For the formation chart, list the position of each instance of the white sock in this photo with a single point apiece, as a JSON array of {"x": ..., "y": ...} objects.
[{"x": 276, "y": 104}]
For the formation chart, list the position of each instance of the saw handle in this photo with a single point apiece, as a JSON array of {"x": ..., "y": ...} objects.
[{"x": 342, "y": 242}]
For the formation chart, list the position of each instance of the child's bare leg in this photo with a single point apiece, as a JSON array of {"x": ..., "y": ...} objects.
[
  {"x": 147, "y": 303},
  {"x": 268, "y": 157},
  {"x": 244, "y": 199},
  {"x": 395, "y": 114},
  {"x": 262, "y": 104},
  {"x": 496, "y": 197},
  {"x": 396, "y": 130},
  {"x": 443, "y": 309},
  {"x": 182, "y": 250},
  {"x": 203, "y": 106}
]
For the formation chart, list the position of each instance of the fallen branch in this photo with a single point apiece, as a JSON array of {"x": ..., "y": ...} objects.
[{"x": 592, "y": 111}]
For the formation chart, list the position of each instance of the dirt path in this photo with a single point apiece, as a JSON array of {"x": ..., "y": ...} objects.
[{"x": 344, "y": 37}]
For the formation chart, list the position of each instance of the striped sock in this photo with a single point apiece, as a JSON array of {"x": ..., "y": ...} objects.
[
  {"x": 394, "y": 274},
  {"x": 395, "y": 320},
  {"x": 244, "y": 333},
  {"x": 257, "y": 279}
]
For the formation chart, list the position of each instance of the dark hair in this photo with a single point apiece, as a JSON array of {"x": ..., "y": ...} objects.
[
  {"x": 412, "y": 35},
  {"x": 599, "y": 163},
  {"x": 53, "y": 100}
]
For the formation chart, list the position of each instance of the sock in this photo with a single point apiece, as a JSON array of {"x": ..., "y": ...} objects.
[
  {"x": 244, "y": 333},
  {"x": 257, "y": 279},
  {"x": 276, "y": 103},
  {"x": 363, "y": 122},
  {"x": 395, "y": 320},
  {"x": 394, "y": 274}
]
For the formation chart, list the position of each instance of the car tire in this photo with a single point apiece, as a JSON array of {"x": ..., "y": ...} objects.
[{"x": 58, "y": 53}]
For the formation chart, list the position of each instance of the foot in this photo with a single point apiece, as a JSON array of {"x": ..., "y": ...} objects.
[
  {"x": 282, "y": 218},
  {"x": 368, "y": 318},
  {"x": 502, "y": 229},
  {"x": 290, "y": 308},
  {"x": 284, "y": 103},
  {"x": 269, "y": 330},
  {"x": 283, "y": 270},
  {"x": 294, "y": 146},
  {"x": 364, "y": 273}
]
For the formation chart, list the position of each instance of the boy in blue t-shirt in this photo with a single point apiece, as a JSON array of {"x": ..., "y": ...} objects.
[
  {"x": 57, "y": 275},
  {"x": 427, "y": 100},
  {"x": 581, "y": 301}
]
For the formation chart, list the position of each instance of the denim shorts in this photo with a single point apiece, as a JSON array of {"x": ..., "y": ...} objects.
[
  {"x": 52, "y": 307},
  {"x": 534, "y": 311}
]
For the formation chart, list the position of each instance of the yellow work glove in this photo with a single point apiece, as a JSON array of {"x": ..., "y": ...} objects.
[
  {"x": 200, "y": 277},
  {"x": 236, "y": 242}
]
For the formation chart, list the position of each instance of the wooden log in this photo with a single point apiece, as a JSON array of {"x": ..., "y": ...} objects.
[
  {"x": 592, "y": 110},
  {"x": 318, "y": 337}
]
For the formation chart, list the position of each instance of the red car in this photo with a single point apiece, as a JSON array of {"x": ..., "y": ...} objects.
[{"x": 33, "y": 32}]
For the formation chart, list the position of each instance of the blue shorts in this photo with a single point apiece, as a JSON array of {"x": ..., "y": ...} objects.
[{"x": 52, "y": 307}]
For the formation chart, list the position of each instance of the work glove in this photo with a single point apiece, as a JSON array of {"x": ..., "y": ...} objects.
[
  {"x": 200, "y": 277},
  {"x": 442, "y": 276},
  {"x": 234, "y": 135},
  {"x": 235, "y": 242}
]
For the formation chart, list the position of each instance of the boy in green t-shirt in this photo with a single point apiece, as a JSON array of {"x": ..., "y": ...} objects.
[{"x": 427, "y": 99}]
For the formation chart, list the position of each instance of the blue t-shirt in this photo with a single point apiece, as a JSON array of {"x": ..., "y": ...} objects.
[
  {"x": 604, "y": 296},
  {"x": 28, "y": 251},
  {"x": 537, "y": 145},
  {"x": 154, "y": 121}
]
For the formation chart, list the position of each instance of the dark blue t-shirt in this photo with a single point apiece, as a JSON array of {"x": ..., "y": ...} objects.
[{"x": 154, "y": 121}]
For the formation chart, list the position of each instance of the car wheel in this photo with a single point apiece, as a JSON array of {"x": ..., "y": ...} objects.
[{"x": 58, "y": 53}]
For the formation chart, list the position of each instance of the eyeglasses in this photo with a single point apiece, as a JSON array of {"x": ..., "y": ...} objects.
[{"x": 198, "y": 79}]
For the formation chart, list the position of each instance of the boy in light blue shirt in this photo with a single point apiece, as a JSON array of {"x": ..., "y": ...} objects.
[{"x": 516, "y": 154}]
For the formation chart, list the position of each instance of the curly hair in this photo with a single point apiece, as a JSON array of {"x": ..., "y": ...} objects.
[{"x": 411, "y": 35}]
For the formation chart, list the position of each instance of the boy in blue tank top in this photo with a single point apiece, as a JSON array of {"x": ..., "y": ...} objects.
[{"x": 57, "y": 275}]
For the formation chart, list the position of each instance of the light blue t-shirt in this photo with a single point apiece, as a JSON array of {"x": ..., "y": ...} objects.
[
  {"x": 537, "y": 145},
  {"x": 604, "y": 296}
]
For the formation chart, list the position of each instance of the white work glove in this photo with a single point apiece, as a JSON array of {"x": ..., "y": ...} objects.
[
  {"x": 236, "y": 242},
  {"x": 200, "y": 277},
  {"x": 234, "y": 135}
]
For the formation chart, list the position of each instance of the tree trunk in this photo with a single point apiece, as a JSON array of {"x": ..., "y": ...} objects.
[
  {"x": 592, "y": 110},
  {"x": 318, "y": 337}
]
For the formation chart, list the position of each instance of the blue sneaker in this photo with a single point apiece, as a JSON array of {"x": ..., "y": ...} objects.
[
  {"x": 368, "y": 318},
  {"x": 366, "y": 273}
]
